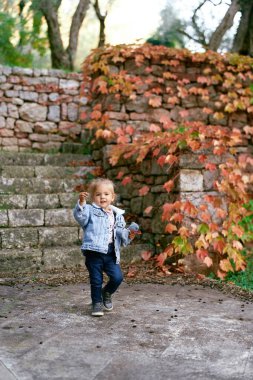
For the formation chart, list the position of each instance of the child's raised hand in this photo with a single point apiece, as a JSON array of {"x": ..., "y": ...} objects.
[
  {"x": 133, "y": 230},
  {"x": 83, "y": 198}
]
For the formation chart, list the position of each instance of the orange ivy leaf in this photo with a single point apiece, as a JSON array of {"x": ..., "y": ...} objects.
[
  {"x": 161, "y": 258},
  {"x": 177, "y": 217},
  {"x": 95, "y": 115},
  {"x": 123, "y": 140},
  {"x": 154, "y": 128},
  {"x": 130, "y": 130},
  {"x": 219, "y": 245},
  {"x": 170, "y": 228},
  {"x": 148, "y": 210},
  {"x": 173, "y": 100},
  {"x": 184, "y": 113},
  {"x": 226, "y": 265},
  {"x": 144, "y": 190},
  {"x": 169, "y": 185},
  {"x": 238, "y": 231},
  {"x": 210, "y": 166},
  {"x": 201, "y": 254},
  {"x": 145, "y": 255},
  {"x": 208, "y": 261},
  {"x": 218, "y": 115},
  {"x": 221, "y": 274},
  {"x": 155, "y": 101},
  {"x": 131, "y": 272},
  {"x": 207, "y": 110}
]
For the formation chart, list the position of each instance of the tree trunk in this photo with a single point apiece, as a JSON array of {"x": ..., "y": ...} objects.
[
  {"x": 76, "y": 24},
  {"x": 243, "y": 41},
  {"x": 101, "y": 19},
  {"x": 225, "y": 24},
  {"x": 61, "y": 58}
]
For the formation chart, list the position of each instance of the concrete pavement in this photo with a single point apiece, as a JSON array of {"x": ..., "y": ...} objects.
[{"x": 159, "y": 332}]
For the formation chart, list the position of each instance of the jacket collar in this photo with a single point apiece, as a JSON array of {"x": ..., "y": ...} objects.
[{"x": 114, "y": 208}]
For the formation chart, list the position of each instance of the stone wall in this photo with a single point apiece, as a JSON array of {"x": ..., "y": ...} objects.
[
  {"x": 179, "y": 88},
  {"x": 39, "y": 109}
]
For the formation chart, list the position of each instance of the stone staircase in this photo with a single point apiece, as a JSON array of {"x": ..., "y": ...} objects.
[{"x": 37, "y": 194}]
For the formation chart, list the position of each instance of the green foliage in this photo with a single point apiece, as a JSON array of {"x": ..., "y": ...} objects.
[
  {"x": 9, "y": 53},
  {"x": 167, "y": 33},
  {"x": 247, "y": 223},
  {"x": 244, "y": 279},
  {"x": 21, "y": 35}
]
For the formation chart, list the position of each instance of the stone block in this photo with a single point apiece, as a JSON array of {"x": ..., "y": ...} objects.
[
  {"x": 25, "y": 143},
  {"x": 2, "y": 122},
  {"x": 19, "y": 238},
  {"x": 132, "y": 253},
  {"x": 190, "y": 180},
  {"x": 5, "y": 132},
  {"x": 30, "y": 96},
  {"x": 33, "y": 112},
  {"x": 13, "y": 111},
  {"x": 136, "y": 205},
  {"x": 12, "y": 201},
  {"x": 42, "y": 201},
  {"x": 38, "y": 137},
  {"x": 9, "y": 141},
  {"x": 61, "y": 257},
  {"x": 68, "y": 200},
  {"x": 3, "y": 218},
  {"x": 58, "y": 236},
  {"x": 59, "y": 217},
  {"x": 11, "y": 171},
  {"x": 53, "y": 113},
  {"x": 72, "y": 112},
  {"x": 45, "y": 127},
  {"x": 3, "y": 109},
  {"x": 69, "y": 128},
  {"x": 20, "y": 261},
  {"x": 210, "y": 178},
  {"x": 26, "y": 218},
  {"x": 139, "y": 105},
  {"x": 24, "y": 126}
]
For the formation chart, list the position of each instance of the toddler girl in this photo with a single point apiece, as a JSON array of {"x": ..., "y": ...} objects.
[{"x": 104, "y": 233}]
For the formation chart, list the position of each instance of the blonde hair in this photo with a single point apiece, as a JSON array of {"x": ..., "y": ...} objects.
[{"x": 97, "y": 182}]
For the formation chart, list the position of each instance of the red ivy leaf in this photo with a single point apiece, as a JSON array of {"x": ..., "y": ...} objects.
[
  {"x": 144, "y": 190},
  {"x": 126, "y": 180}
]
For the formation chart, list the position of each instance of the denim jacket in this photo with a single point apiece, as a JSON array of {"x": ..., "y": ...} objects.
[{"x": 95, "y": 224}]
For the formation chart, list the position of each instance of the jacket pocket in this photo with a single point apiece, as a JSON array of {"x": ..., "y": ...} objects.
[{"x": 98, "y": 213}]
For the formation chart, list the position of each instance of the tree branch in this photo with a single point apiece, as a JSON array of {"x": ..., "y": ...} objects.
[
  {"x": 224, "y": 25},
  {"x": 76, "y": 24}
]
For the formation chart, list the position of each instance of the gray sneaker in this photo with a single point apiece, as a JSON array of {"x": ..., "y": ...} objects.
[
  {"x": 107, "y": 300},
  {"x": 97, "y": 309}
]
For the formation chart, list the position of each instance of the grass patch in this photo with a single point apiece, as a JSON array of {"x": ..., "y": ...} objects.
[{"x": 244, "y": 279}]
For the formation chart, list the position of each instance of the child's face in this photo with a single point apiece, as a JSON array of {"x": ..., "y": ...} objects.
[{"x": 103, "y": 196}]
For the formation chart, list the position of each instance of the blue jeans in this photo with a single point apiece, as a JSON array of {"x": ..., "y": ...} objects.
[{"x": 97, "y": 263}]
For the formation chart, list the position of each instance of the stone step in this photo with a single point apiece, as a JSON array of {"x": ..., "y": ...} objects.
[
  {"x": 39, "y": 259},
  {"x": 45, "y": 201},
  {"x": 37, "y": 217},
  {"x": 38, "y": 159},
  {"x": 38, "y": 237},
  {"x": 40, "y": 185},
  {"x": 48, "y": 171},
  {"x": 48, "y": 258}
]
